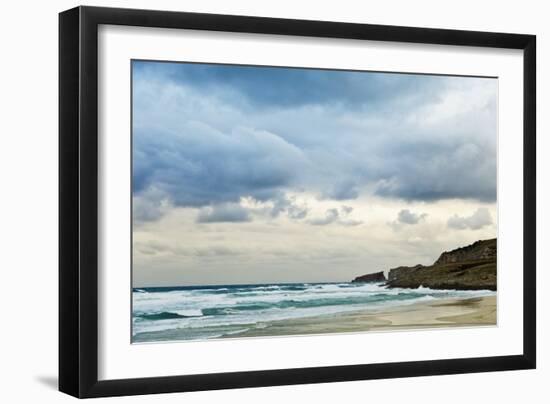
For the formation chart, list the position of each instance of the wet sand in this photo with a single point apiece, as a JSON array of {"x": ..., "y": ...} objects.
[{"x": 480, "y": 311}]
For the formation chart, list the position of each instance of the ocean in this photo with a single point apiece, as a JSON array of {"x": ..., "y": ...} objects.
[{"x": 206, "y": 312}]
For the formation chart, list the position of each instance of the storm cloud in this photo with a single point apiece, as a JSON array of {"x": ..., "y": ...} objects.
[
  {"x": 274, "y": 87},
  {"x": 201, "y": 165},
  {"x": 206, "y": 136}
]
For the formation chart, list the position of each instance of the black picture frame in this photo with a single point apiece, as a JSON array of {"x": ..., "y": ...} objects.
[{"x": 78, "y": 201}]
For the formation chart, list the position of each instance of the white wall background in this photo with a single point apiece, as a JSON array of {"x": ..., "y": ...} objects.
[{"x": 28, "y": 202}]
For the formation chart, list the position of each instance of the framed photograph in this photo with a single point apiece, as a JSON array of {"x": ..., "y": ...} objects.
[{"x": 250, "y": 201}]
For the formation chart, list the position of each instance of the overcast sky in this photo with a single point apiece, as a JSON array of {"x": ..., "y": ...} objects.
[{"x": 259, "y": 175}]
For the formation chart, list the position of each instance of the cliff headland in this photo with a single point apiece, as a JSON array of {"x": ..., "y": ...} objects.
[{"x": 472, "y": 267}]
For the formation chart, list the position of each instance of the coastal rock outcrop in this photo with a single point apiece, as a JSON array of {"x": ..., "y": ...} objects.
[
  {"x": 472, "y": 267},
  {"x": 374, "y": 277},
  {"x": 480, "y": 250},
  {"x": 395, "y": 273}
]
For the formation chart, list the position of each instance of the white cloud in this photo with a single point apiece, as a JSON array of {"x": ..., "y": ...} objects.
[
  {"x": 407, "y": 217},
  {"x": 479, "y": 219},
  {"x": 150, "y": 205},
  {"x": 331, "y": 216},
  {"x": 334, "y": 215},
  {"x": 176, "y": 250}
]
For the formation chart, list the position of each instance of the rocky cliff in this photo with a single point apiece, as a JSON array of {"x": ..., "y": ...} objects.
[
  {"x": 395, "y": 273},
  {"x": 480, "y": 250},
  {"x": 466, "y": 268},
  {"x": 374, "y": 277}
]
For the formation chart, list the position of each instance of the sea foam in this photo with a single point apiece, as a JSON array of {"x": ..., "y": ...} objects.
[{"x": 214, "y": 311}]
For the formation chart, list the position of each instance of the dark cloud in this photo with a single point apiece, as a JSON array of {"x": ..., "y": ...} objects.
[
  {"x": 479, "y": 219},
  {"x": 291, "y": 87},
  {"x": 235, "y": 212},
  {"x": 202, "y": 137},
  {"x": 405, "y": 216},
  {"x": 288, "y": 205},
  {"x": 201, "y": 166},
  {"x": 334, "y": 215},
  {"x": 439, "y": 169},
  {"x": 297, "y": 212},
  {"x": 343, "y": 191}
]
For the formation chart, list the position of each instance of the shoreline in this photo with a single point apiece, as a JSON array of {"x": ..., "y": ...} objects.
[{"x": 442, "y": 313}]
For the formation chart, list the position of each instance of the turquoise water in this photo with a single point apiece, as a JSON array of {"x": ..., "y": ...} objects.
[{"x": 205, "y": 312}]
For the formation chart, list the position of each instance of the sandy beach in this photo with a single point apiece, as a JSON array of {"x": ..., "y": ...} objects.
[
  {"x": 479, "y": 311},
  {"x": 242, "y": 311}
]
